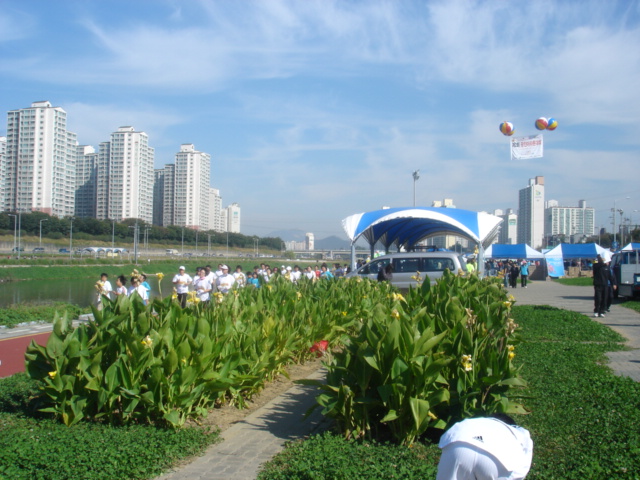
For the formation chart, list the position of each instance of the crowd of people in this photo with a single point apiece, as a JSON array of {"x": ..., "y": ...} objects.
[
  {"x": 207, "y": 282},
  {"x": 510, "y": 271}
]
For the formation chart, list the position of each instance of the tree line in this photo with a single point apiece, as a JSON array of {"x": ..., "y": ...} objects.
[{"x": 56, "y": 228}]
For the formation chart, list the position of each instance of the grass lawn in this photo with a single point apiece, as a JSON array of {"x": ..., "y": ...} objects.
[
  {"x": 577, "y": 281},
  {"x": 37, "y": 448},
  {"x": 584, "y": 419}
]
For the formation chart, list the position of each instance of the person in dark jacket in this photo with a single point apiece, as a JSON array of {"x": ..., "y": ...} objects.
[
  {"x": 612, "y": 286},
  {"x": 601, "y": 279},
  {"x": 386, "y": 274},
  {"x": 513, "y": 274}
]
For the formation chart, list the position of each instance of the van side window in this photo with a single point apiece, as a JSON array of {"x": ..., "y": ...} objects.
[
  {"x": 406, "y": 265},
  {"x": 437, "y": 265},
  {"x": 373, "y": 267}
]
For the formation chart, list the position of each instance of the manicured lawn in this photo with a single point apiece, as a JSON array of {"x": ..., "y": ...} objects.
[
  {"x": 36, "y": 448},
  {"x": 583, "y": 418},
  {"x": 577, "y": 282},
  {"x": 632, "y": 304}
]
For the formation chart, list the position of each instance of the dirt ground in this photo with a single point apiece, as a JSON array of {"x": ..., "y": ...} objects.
[{"x": 225, "y": 416}]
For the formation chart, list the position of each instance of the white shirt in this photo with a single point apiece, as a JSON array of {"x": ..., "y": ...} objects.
[
  {"x": 225, "y": 282},
  {"x": 203, "y": 288},
  {"x": 311, "y": 275},
  {"x": 510, "y": 445},
  {"x": 211, "y": 276},
  {"x": 295, "y": 276},
  {"x": 182, "y": 282},
  {"x": 106, "y": 290},
  {"x": 240, "y": 278}
]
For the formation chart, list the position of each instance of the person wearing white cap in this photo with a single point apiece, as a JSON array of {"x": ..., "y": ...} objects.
[
  {"x": 225, "y": 281},
  {"x": 485, "y": 448},
  {"x": 182, "y": 281}
]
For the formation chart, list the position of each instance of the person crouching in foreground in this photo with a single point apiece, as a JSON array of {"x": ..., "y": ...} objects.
[{"x": 488, "y": 448}]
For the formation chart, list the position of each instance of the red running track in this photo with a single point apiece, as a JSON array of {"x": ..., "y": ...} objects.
[{"x": 12, "y": 352}]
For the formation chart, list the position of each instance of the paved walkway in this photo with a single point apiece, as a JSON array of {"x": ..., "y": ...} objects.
[{"x": 580, "y": 299}]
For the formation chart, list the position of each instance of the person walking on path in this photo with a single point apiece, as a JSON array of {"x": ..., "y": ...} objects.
[
  {"x": 601, "y": 281},
  {"x": 182, "y": 281},
  {"x": 514, "y": 271},
  {"x": 524, "y": 273}
]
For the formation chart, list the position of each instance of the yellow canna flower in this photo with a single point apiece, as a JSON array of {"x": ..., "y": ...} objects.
[
  {"x": 466, "y": 363},
  {"x": 147, "y": 342},
  {"x": 53, "y": 374},
  {"x": 184, "y": 361},
  {"x": 299, "y": 295},
  {"x": 344, "y": 314},
  {"x": 160, "y": 276},
  {"x": 432, "y": 415},
  {"x": 395, "y": 314}
]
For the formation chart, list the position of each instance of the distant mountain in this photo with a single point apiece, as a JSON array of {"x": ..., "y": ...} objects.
[{"x": 332, "y": 243}]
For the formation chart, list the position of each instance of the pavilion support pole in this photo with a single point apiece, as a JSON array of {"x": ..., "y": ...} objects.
[
  {"x": 353, "y": 256},
  {"x": 480, "y": 260},
  {"x": 372, "y": 251}
]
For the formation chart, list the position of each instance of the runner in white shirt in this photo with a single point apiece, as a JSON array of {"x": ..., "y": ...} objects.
[
  {"x": 239, "y": 277},
  {"x": 106, "y": 290},
  {"x": 295, "y": 274},
  {"x": 225, "y": 281},
  {"x": 202, "y": 286},
  {"x": 310, "y": 274},
  {"x": 136, "y": 287},
  {"x": 211, "y": 276},
  {"x": 182, "y": 281},
  {"x": 121, "y": 288},
  {"x": 487, "y": 448}
]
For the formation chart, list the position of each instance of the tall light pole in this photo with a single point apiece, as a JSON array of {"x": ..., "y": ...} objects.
[
  {"x": 42, "y": 220},
  {"x": 227, "y": 245},
  {"x": 113, "y": 236},
  {"x": 19, "y": 232},
  {"x": 182, "y": 252},
  {"x": 208, "y": 244},
  {"x": 416, "y": 176},
  {"x": 615, "y": 210},
  {"x": 71, "y": 241},
  {"x": 196, "y": 242},
  {"x": 15, "y": 231}
]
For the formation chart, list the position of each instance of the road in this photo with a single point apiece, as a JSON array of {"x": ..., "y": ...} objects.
[{"x": 12, "y": 352}]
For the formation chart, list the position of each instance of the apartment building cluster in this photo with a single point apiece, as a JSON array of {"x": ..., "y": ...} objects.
[
  {"x": 540, "y": 223},
  {"x": 536, "y": 222},
  {"x": 43, "y": 168}
]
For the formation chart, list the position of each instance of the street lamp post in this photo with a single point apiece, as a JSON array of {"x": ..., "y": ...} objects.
[
  {"x": 15, "y": 230},
  {"x": 416, "y": 176},
  {"x": 182, "y": 241},
  {"x": 42, "y": 220},
  {"x": 113, "y": 235},
  {"x": 19, "y": 232},
  {"x": 615, "y": 210},
  {"x": 71, "y": 241},
  {"x": 196, "y": 242},
  {"x": 208, "y": 244}
]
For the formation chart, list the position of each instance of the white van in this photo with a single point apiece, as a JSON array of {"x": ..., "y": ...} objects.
[
  {"x": 626, "y": 268},
  {"x": 171, "y": 251},
  {"x": 406, "y": 265}
]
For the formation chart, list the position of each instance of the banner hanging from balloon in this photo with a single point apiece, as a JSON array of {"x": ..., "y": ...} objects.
[{"x": 523, "y": 148}]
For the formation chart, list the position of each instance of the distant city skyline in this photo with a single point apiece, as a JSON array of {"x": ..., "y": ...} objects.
[{"x": 312, "y": 111}]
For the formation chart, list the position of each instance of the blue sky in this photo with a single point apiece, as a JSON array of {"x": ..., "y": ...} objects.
[{"x": 314, "y": 110}]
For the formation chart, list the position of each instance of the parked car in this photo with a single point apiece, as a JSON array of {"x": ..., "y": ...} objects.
[
  {"x": 407, "y": 265},
  {"x": 64, "y": 250},
  {"x": 17, "y": 249},
  {"x": 38, "y": 250},
  {"x": 626, "y": 268}
]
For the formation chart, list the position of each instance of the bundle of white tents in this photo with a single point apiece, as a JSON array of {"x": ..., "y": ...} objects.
[{"x": 555, "y": 257}]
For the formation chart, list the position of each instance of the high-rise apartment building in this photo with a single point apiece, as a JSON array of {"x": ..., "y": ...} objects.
[
  {"x": 216, "y": 222},
  {"x": 86, "y": 181},
  {"x": 125, "y": 176},
  {"x": 569, "y": 221},
  {"x": 509, "y": 226},
  {"x": 3, "y": 171},
  {"x": 164, "y": 195},
  {"x": 309, "y": 241},
  {"x": 233, "y": 218},
  {"x": 531, "y": 213},
  {"x": 40, "y": 161},
  {"x": 191, "y": 191}
]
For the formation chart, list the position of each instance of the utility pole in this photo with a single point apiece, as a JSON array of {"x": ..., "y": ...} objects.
[{"x": 416, "y": 176}]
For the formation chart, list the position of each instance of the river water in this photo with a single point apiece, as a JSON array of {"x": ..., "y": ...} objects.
[{"x": 77, "y": 291}]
